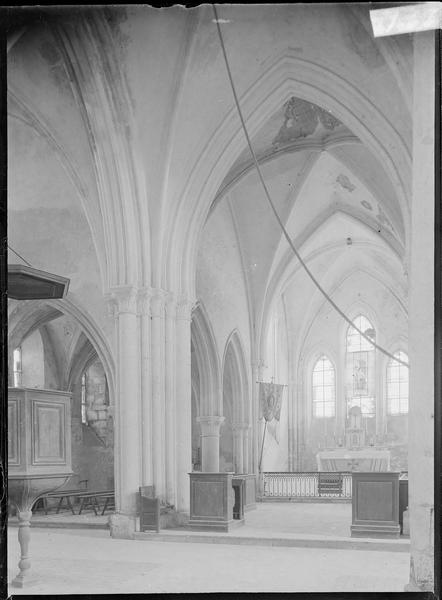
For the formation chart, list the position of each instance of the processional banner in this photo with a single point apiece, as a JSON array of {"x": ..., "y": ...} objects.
[{"x": 270, "y": 395}]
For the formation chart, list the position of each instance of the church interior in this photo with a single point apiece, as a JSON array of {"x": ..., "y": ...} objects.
[{"x": 192, "y": 348}]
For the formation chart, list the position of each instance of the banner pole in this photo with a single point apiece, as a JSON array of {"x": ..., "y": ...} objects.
[{"x": 262, "y": 446}]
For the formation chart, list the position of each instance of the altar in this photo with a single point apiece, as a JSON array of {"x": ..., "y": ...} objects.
[
  {"x": 356, "y": 456},
  {"x": 357, "y": 460}
]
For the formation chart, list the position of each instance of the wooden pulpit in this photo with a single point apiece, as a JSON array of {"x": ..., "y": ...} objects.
[{"x": 39, "y": 454}]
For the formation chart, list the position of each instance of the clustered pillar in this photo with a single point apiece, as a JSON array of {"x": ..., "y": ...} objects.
[
  {"x": 183, "y": 441},
  {"x": 153, "y": 427}
]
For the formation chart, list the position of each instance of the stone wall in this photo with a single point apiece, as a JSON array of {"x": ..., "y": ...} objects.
[{"x": 93, "y": 441}]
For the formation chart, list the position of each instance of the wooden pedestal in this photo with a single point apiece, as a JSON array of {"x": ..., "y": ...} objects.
[
  {"x": 249, "y": 490},
  {"x": 375, "y": 505},
  {"x": 211, "y": 502}
]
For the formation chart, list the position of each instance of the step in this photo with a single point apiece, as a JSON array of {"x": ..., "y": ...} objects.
[
  {"x": 293, "y": 541},
  {"x": 61, "y": 523}
]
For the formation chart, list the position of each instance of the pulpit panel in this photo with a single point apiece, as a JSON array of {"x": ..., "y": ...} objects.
[
  {"x": 374, "y": 501},
  {"x": 13, "y": 432},
  {"x": 209, "y": 499},
  {"x": 48, "y": 444}
]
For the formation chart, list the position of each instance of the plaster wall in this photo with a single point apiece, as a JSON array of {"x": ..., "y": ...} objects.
[
  {"x": 421, "y": 310},
  {"x": 33, "y": 362},
  {"x": 93, "y": 442},
  {"x": 43, "y": 200},
  {"x": 220, "y": 281},
  {"x": 41, "y": 96},
  {"x": 52, "y": 376},
  {"x": 277, "y": 368}
]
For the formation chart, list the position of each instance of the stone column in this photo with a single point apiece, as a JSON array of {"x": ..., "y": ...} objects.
[
  {"x": 293, "y": 441},
  {"x": 210, "y": 427},
  {"x": 239, "y": 436},
  {"x": 170, "y": 404},
  {"x": 246, "y": 446},
  {"x": 146, "y": 385},
  {"x": 128, "y": 412},
  {"x": 158, "y": 297},
  {"x": 290, "y": 416},
  {"x": 183, "y": 441},
  {"x": 421, "y": 321}
]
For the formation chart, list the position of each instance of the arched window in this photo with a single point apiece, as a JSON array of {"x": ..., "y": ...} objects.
[
  {"x": 397, "y": 385},
  {"x": 16, "y": 358},
  {"x": 361, "y": 367},
  {"x": 324, "y": 389},
  {"x": 83, "y": 398}
]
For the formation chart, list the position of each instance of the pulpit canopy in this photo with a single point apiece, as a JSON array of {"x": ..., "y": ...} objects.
[{"x": 27, "y": 283}]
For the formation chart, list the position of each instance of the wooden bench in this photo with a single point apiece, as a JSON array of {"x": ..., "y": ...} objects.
[
  {"x": 86, "y": 498},
  {"x": 64, "y": 495},
  {"x": 91, "y": 499}
]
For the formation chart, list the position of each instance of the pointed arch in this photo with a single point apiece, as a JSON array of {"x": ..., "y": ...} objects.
[
  {"x": 234, "y": 365},
  {"x": 31, "y": 315},
  {"x": 207, "y": 362},
  {"x": 83, "y": 355},
  {"x": 234, "y": 443}
]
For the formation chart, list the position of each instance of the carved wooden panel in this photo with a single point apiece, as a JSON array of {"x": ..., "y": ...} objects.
[
  {"x": 13, "y": 432},
  {"x": 208, "y": 499},
  {"x": 375, "y": 501},
  {"x": 250, "y": 490},
  {"x": 48, "y": 435}
]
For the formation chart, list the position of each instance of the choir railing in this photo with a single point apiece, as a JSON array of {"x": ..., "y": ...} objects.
[{"x": 312, "y": 484}]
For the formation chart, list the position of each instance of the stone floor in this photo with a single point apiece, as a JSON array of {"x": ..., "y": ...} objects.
[
  {"x": 88, "y": 561},
  {"x": 332, "y": 519}
]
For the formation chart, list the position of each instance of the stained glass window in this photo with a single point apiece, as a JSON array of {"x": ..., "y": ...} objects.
[{"x": 361, "y": 367}]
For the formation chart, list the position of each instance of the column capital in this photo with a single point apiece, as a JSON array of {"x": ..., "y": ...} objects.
[
  {"x": 122, "y": 300},
  {"x": 170, "y": 305},
  {"x": 144, "y": 298},
  {"x": 258, "y": 367},
  {"x": 210, "y": 425},
  {"x": 157, "y": 302},
  {"x": 184, "y": 308}
]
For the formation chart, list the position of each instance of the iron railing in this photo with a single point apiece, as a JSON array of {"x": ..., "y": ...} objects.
[{"x": 311, "y": 484}]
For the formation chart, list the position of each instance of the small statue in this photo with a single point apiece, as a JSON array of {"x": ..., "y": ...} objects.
[{"x": 355, "y": 415}]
